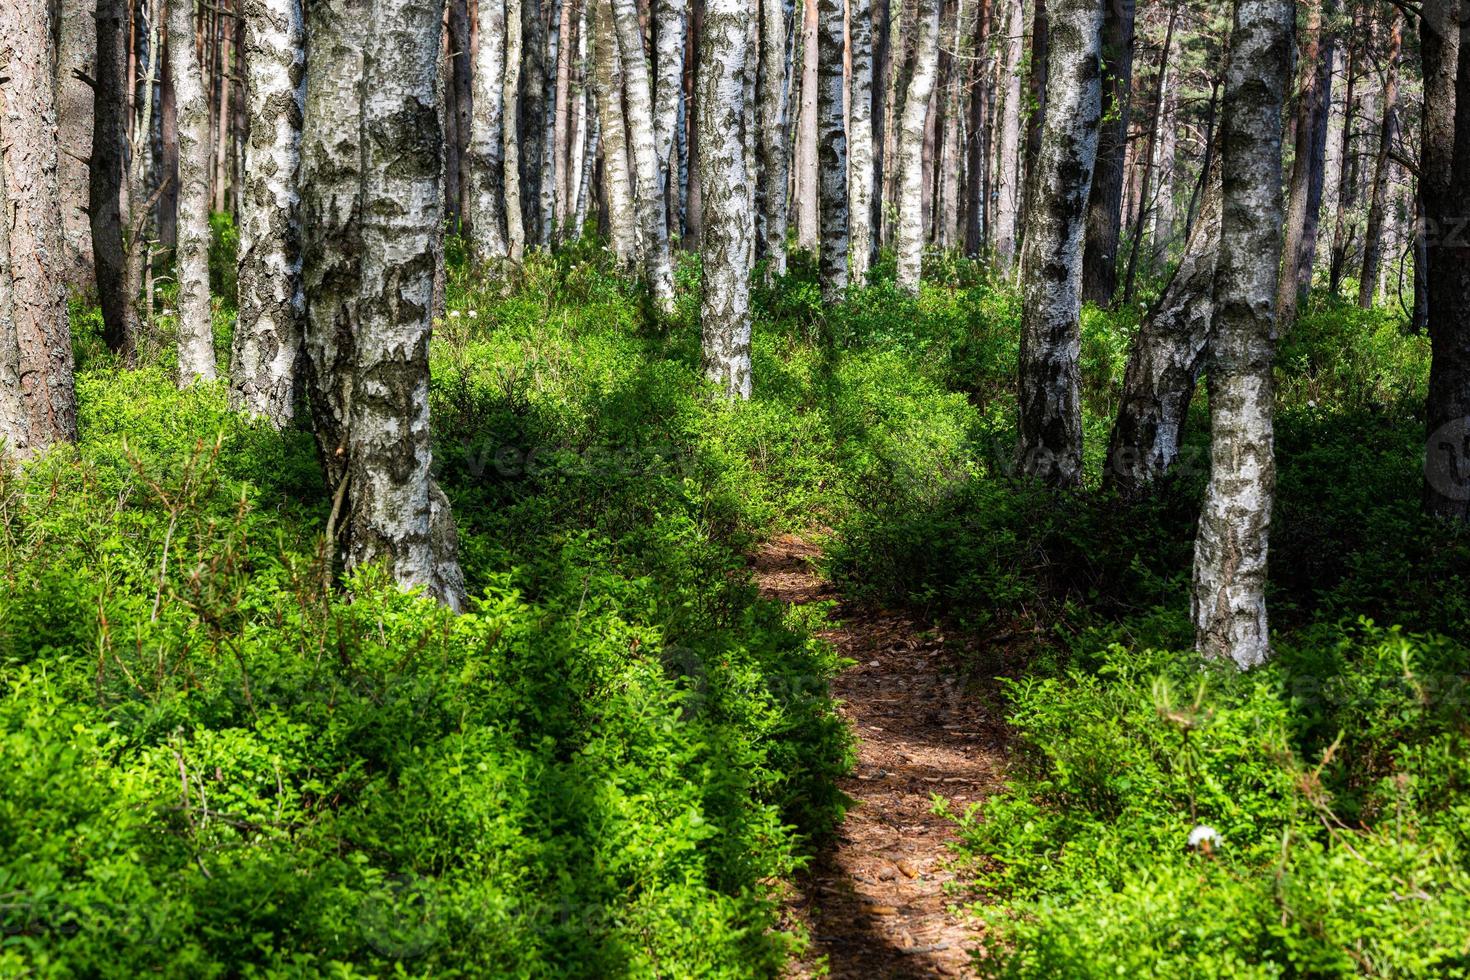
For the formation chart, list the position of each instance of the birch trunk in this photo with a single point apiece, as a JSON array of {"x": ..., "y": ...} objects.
[
  {"x": 618, "y": 181},
  {"x": 1378, "y": 200},
  {"x": 773, "y": 173},
  {"x": 35, "y": 334},
  {"x": 1229, "y": 600},
  {"x": 196, "y": 328},
  {"x": 832, "y": 148},
  {"x": 372, "y": 208},
  {"x": 1145, "y": 189},
  {"x": 1050, "y": 414},
  {"x": 670, "y": 22},
  {"x": 910, "y": 237},
  {"x": 561, "y": 143},
  {"x": 860, "y": 175},
  {"x": 530, "y": 115},
  {"x": 647, "y": 187},
  {"x": 510, "y": 142},
  {"x": 107, "y": 180},
  {"x": 76, "y": 55},
  {"x": 727, "y": 231},
  {"x": 268, "y": 328},
  {"x": 485, "y": 162},
  {"x": 1100, "y": 255},
  {"x": 806, "y": 179},
  {"x": 553, "y": 101},
  {"x": 1009, "y": 176}
]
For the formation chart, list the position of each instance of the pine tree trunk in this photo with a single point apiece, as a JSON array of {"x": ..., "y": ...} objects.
[
  {"x": 371, "y": 208},
  {"x": 1229, "y": 600},
  {"x": 725, "y": 302},
  {"x": 195, "y": 317},
  {"x": 648, "y": 195},
  {"x": 977, "y": 147},
  {"x": 1105, "y": 204},
  {"x": 772, "y": 173},
  {"x": 1445, "y": 186},
  {"x": 485, "y": 161},
  {"x": 1346, "y": 185},
  {"x": 1309, "y": 116},
  {"x": 76, "y": 55},
  {"x": 531, "y": 115},
  {"x": 222, "y": 122},
  {"x": 35, "y": 334},
  {"x": 1165, "y": 362},
  {"x": 1050, "y": 413},
  {"x": 140, "y": 174},
  {"x": 1378, "y": 201},
  {"x": 268, "y": 328},
  {"x": 107, "y": 178},
  {"x": 1009, "y": 180},
  {"x": 832, "y": 148},
  {"x": 861, "y": 174},
  {"x": 510, "y": 140},
  {"x": 616, "y": 172},
  {"x": 910, "y": 231}
]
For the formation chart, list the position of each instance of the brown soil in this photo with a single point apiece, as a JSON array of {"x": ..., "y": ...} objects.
[{"x": 874, "y": 900}]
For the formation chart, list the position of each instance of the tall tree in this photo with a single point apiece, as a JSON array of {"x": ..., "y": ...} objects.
[
  {"x": 268, "y": 326},
  {"x": 371, "y": 209},
  {"x": 1156, "y": 117},
  {"x": 35, "y": 334},
  {"x": 727, "y": 232},
  {"x": 1305, "y": 190},
  {"x": 76, "y": 55},
  {"x": 1009, "y": 180},
  {"x": 1105, "y": 201},
  {"x": 832, "y": 147},
  {"x": 670, "y": 23},
  {"x": 1444, "y": 171},
  {"x": 804, "y": 146},
  {"x": 1229, "y": 599},
  {"x": 107, "y": 179},
  {"x": 910, "y": 231},
  {"x": 1387, "y": 133},
  {"x": 648, "y": 195},
  {"x": 485, "y": 161},
  {"x": 860, "y": 172},
  {"x": 772, "y": 171},
  {"x": 195, "y": 316},
  {"x": 510, "y": 139},
  {"x": 1050, "y": 414},
  {"x": 618, "y": 190}
]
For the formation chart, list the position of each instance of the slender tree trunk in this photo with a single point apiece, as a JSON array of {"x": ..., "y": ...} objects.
[
  {"x": 1347, "y": 187},
  {"x": 1388, "y": 131},
  {"x": 772, "y": 174},
  {"x": 1229, "y": 601},
  {"x": 561, "y": 137},
  {"x": 1164, "y": 365},
  {"x": 372, "y": 206},
  {"x": 107, "y": 177},
  {"x": 1163, "y": 232},
  {"x": 1445, "y": 184},
  {"x": 977, "y": 146},
  {"x": 670, "y": 21},
  {"x": 530, "y": 117},
  {"x": 832, "y": 148},
  {"x": 510, "y": 141},
  {"x": 486, "y": 158},
  {"x": 76, "y": 55},
  {"x": 140, "y": 180},
  {"x": 1150, "y": 149},
  {"x": 268, "y": 328},
  {"x": 1036, "y": 88},
  {"x": 548, "y": 173},
  {"x": 807, "y": 176},
  {"x": 1008, "y": 169},
  {"x": 1050, "y": 414},
  {"x": 196, "y": 327},
  {"x": 1105, "y": 205},
  {"x": 647, "y": 187},
  {"x": 457, "y": 194},
  {"x": 860, "y": 173},
  {"x": 1310, "y": 116},
  {"x": 222, "y": 123},
  {"x": 725, "y": 303},
  {"x": 910, "y": 237},
  {"x": 618, "y": 180},
  {"x": 33, "y": 313}
]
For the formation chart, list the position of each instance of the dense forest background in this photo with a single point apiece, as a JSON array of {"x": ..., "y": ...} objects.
[{"x": 734, "y": 487}]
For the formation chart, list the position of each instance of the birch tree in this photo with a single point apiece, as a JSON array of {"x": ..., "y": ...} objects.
[
  {"x": 1008, "y": 144},
  {"x": 670, "y": 17},
  {"x": 617, "y": 177},
  {"x": 648, "y": 196},
  {"x": 268, "y": 327},
  {"x": 910, "y": 230},
  {"x": 1378, "y": 197},
  {"x": 485, "y": 164},
  {"x": 371, "y": 212},
  {"x": 1105, "y": 203},
  {"x": 195, "y": 317},
  {"x": 773, "y": 172},
  {"x": 35, "y": 334},
  {"x": 1229, "y": 599},
  {"x": 1050, "y": 412},
  {"x": 831, "y": 148},
  {"x": 727, "y": 231},
  {"x": 860, "y": 177},
  {"x": 510, "y": 142}
]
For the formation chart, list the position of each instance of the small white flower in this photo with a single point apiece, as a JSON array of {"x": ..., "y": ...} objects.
[
  {"x": 1311, "y": 403},
  {"x": 1204, "y": 838},
  {"x": 454, "y": 314},
  {"x": 474, "y": 314}
]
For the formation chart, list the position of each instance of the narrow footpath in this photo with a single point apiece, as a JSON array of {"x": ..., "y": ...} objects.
[{"x": 874, "y": 901}]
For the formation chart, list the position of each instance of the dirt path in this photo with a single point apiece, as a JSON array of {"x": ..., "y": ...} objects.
[{"x": 874, "y": 900}]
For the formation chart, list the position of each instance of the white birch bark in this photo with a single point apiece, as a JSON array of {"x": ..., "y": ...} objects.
[
  {"x": 860, "y": 177},
  {"x": 616, "y": 173},
  {"x": 269, "y": 326},
  {"x": 910, "y": 230},
  {"x": 832, "y": 149},
  {"x": 1050, "y": 412},
  {"x": 485, "y": 163},
  {"x": 1009, "y": 178},
  {"x": 510, "y": 144},
  {"x": 372, "y": 210},
  {"x": 1229, "y": 600},
  {"x": 773, "y": 172},
  {"x": 195, "y": 318},
  {"x": 648, "y": 195},
  {"x": 805, "y": 179},
  {"x": 728, "y": 226},
  {"x": 670, "y": 23}
]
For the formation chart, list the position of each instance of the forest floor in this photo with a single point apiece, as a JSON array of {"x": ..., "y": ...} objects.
[{"x": 877, "y": 900}]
